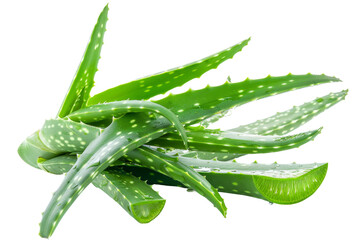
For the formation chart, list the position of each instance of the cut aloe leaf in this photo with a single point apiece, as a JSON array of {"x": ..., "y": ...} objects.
[
  {"x": 80, "y": 88},
  {"x": 232, "y": 142},
  {"x": 133, "y": 195},
  {"x": 281, "y": 184},
  {"x": 287, "y": 121},
  {"x": 160, "y": 83},
  {"x": 170, "y": 167}
]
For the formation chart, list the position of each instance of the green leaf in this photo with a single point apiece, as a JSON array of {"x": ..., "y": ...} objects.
[
  {"x": 116, "y": 109},
  {"x": 135, "y": 196},
  {"x": 281, "y": 184},
  {"x": 194, "y": 106},
  {"x": 63, "y": 136},
  {"x": 285, "y": 122},
  {"x": 232, "y": 142},
  {"x": 83, "y": 82},
  {"x": 170, "y": 167},
  {"x": 160, "y": 83},
  {"x": 140, "y": 200}
]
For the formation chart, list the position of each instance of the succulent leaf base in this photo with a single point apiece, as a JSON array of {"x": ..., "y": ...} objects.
[{"x": 122, "y": 142}]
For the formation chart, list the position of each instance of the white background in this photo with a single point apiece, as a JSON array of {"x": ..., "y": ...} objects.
[{"x": 42, "y": 42}]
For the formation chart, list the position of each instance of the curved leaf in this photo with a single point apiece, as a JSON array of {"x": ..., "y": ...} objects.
[{"x": 116, "y": 109}]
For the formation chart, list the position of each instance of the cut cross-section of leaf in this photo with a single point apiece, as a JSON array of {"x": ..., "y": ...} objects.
[
  {"x": 290, "y": 190},
  {"x": 135, "y": 196}
]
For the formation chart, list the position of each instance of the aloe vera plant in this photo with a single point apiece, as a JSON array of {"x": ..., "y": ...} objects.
[{"x": 120, "y": 141}]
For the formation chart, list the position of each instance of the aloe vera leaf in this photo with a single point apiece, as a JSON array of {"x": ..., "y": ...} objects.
[
  {"x": 281, "y": 184},
  {"x": 284, "y": 122},
  {"x": 116, "y": 109},
  {"x": 62, "y": 136},
  {"x": 133, "y": 195},
  {"x": 212, "y": 100},
  {"x": 160, "y": 83},
  {"x": 170, "y": 167},
  {"x": 32, "y": 148},
  {"x": 231, "y": 142},
  {"x": 80, "y": 88},
  {"x": 116, "y": 140},
  {"x": 278, "y": 183}
]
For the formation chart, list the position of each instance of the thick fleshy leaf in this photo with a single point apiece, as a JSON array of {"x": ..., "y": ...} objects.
[
  {"x": 63, "y": 136},
  {"x": 133, "y": 195},
  {"x": 232, "y": 142},
  {"x": 80, "y": 88},
  {"x": 281, "y": 184},
  {"x": 284, "y": 122},
  {"x": 160, "y": 83},
  {"x": 194, "y": 106},
  {"x": 116, "y": 109},
  {"x": 170, "y": 166}
]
